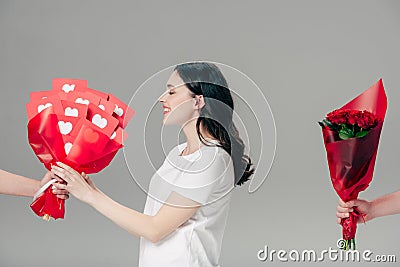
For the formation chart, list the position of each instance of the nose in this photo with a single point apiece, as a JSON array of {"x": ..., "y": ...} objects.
[{"x": 162, "y": 97}]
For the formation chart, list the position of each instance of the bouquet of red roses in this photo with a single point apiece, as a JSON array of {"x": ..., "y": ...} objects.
[
  {"x": 351, "y": 137},
  {"x": 78, "y": 126}
]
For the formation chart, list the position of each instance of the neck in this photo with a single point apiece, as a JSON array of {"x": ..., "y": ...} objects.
[{"x": 192, "y": 138}]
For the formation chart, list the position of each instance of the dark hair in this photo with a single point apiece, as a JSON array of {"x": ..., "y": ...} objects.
[{"x": 206, "y": 79}]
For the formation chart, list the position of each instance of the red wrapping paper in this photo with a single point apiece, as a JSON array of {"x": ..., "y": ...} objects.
[
  {"x": 48, "y": 205},
  {"x": 78, "y": 126},
  {"x": 351, "y": 162}
]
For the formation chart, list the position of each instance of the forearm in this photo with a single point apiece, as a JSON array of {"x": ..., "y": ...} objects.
[
  {"x": 386, "y": 205},
  {"x": 136, "y": 223},
  {"x": 17, "y": 185}
]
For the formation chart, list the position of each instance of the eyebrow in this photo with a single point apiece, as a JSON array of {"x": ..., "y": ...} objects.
[{"x": 173, "y": 87}]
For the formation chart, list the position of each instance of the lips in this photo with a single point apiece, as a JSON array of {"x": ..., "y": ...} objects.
[{"x": 166, "y": 109}]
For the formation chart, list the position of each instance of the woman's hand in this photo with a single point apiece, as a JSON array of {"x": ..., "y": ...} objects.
[
  {"x": 61, "y": 193},
  {"x": 364, "y": 207},
  {"x": 81, "y": 186}
]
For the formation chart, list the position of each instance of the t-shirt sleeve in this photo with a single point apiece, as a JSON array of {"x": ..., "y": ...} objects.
[{"x": 203, "y": 178}]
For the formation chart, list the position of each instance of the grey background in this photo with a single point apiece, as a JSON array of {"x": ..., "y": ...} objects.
[{"x": 308, "y": 57}]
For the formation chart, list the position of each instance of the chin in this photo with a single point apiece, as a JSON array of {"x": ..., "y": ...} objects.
[
  {"x": 175, "y": 120},
  {"x": 170, "y": 120},
  {"x": 167, "y": 122}
]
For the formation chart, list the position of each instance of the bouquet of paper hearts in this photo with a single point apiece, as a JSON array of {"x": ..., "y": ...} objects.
[
  {"x": 351, "y": 136},
  {"x": 78, "y": 126}
]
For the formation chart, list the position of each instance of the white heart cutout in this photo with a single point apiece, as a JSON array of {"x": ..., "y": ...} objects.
[
  {"x": 82, "y": 101},
  {"x": 42, "y": 107},
  {"x": 65, "y": 127},
  {"x": 113, "y": 135},
  {"x": 67, "y": 148},
  {"x": 99, "y": 121},
  {"x": 68, "y": 87},
  {"x": 102, "y": 107},
  {"x": 72, "y": 112},
  {"x": 119, "y": 111}
]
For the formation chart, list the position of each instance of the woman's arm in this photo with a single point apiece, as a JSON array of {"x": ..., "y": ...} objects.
[
  {"x": 12, "y": 184},
  {"x": 153, "y": 228},
  {"x": 386, "y": 205}
]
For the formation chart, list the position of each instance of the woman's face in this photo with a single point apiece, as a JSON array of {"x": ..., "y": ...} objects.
[{"x": 179, "y": 105}]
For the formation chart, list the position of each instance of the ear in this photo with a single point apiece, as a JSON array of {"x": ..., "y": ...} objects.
[{"x": 199, "y": 102}]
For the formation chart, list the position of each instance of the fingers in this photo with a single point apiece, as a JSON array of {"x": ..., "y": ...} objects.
[
  {"x": 62, "y": 173},
  {"x": 343, "y": 207},
  {"x": 60, "y": 194},
  {"x": 344, "y": 210},
  {"x": 60, "y": 190},
  {"x": 356, "y": 202},
  {"x": 66, "y": 167},
  {"x": 350, "y": 204},
  {"x": 60, "y": 186},
  {"x": 342, "y": 215},
  {"x": 65, "y": 197},
  {"x": 53, "y": 176}
]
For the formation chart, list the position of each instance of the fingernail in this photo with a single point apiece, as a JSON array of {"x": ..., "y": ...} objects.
[
  {"x": 347, "y": 215},
  {"x": 53, "y": 187}
]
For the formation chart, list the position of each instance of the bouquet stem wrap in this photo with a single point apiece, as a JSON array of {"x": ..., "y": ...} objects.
[{"x": 47, "y": 205}]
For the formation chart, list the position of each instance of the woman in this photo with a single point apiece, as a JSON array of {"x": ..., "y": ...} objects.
[
  {"x": 383, "y": 206},
  {"x": 188, "y": 199},
  {"x": 16, "y": 185}
]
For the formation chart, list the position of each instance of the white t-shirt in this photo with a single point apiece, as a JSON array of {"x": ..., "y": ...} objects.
[{"x": 207, "y": 177}]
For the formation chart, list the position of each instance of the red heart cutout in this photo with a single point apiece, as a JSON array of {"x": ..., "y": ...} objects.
[{"x": 90, "y": 136}]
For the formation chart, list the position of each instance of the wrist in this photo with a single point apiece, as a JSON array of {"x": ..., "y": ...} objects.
[
  {"x": 92, "y": 197},
  {"x": 37, "y": 185},
  {"x": 372, "y": 213}
]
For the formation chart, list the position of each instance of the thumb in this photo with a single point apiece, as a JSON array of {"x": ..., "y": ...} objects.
[
  {"x": 88, "y": 180},
  {"x": 353, "y": 203}
]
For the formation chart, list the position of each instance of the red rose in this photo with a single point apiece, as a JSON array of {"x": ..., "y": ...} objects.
[
  {"x": 353, "y": 116},
  {"x": 367, "y": 120},
  {"x": 338, "y": 116}
]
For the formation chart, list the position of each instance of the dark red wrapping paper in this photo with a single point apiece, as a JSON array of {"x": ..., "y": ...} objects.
[{"x": 351, "y": 162}]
